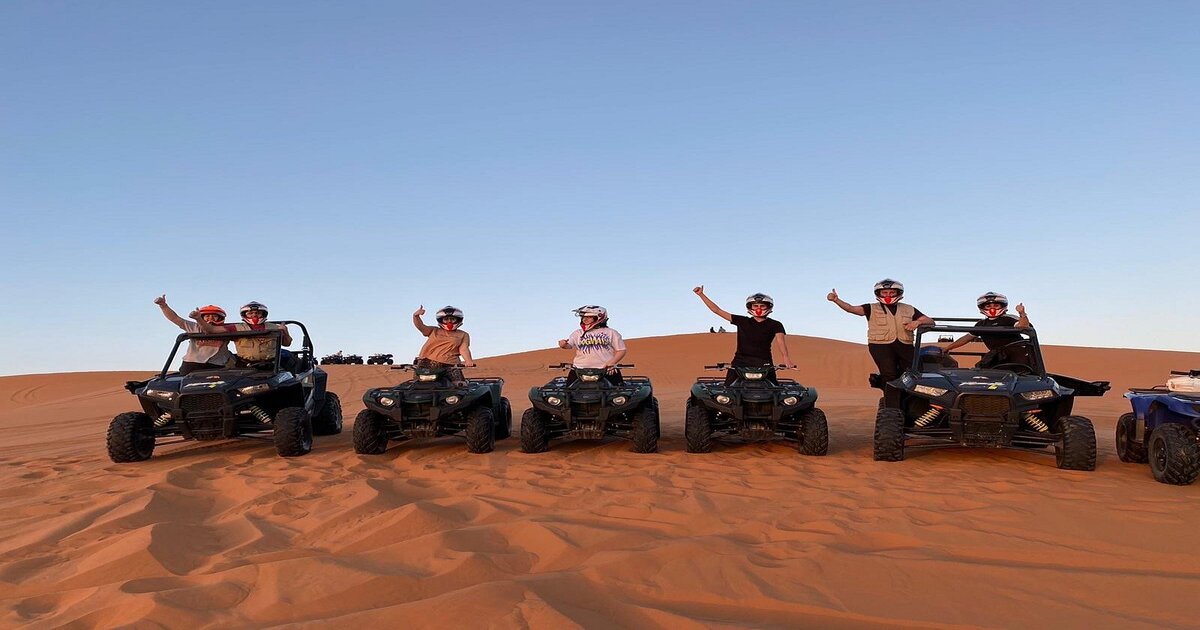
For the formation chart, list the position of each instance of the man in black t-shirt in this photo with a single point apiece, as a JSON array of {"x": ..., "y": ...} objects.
[
  {"x": 994, "y": 307},
  {"x": 756, "y": 335}
]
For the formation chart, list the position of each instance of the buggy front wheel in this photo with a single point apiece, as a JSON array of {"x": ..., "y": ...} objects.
[{"x": 130, "y": 438}]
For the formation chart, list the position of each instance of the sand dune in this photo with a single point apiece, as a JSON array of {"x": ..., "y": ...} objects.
[{"x": 588, "y": 534}]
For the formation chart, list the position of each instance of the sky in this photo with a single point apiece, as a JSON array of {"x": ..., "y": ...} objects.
[{"x": 345, "y": 163}]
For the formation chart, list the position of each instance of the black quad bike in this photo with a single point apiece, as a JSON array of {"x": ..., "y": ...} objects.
[
  {"x": 380, "y": 359},
  {"x": 591, "y": 407},
  {"x": 333, "y": 359},
  {"x": 283, "y": 400},
  {"x": 757, "y": 406},
  {"x": 431, "y": 405},
  {"x": 1006, "y": 400},
  {"x": 352, "y": 359}
]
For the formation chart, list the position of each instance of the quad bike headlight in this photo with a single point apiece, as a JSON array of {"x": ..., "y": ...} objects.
[
  {"x": 452, "y": 400},
  {"x": 1041, "y": 394},
  {"x": 723, "y": 399},
  {"x": 160, "y": 394},
  {"x": 754, "y": 376},
  {"x": 589, "y": 378},
  {"x": 254, "y": 389},
  {"x": 619, "y": 400},
  {"x": 387, "y": 402},
  {"x": 929, "y": 391},
  {"x": 553, "y": 401},
  {"x": 790, "y": 400},
  {"x": 426, "y": 378}
]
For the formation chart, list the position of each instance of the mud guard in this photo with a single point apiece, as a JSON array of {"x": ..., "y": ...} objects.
[{"x": 1081, "y": 387}]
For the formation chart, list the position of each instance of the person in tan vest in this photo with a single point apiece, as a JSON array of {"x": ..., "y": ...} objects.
[
  {"x": 445, "y": 343},
  {"x": 890, "y": 327}
]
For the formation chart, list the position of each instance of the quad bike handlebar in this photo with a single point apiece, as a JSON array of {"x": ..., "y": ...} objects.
[
  {"x": 568, "y": 366},
  {"x": 409, "y": 366},
  {"x": 1192, "y": 373},
  {"x": 727, "y": 366}
]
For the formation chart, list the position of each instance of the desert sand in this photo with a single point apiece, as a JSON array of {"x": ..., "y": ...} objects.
[{"x": 588, "y": 535}]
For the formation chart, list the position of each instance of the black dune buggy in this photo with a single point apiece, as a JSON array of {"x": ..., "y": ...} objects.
[
  {"x": 431, "y": 405},
  {"x": 756, "y": 407},
  {"x": 380, "y": 359},
  {"x": 1006, "y": 400},
  {"x": 591, "y": 407},
  {"x": 283, "y": 400}
]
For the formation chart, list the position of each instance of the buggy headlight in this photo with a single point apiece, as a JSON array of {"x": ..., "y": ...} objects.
[
  {"x": 723, "y": 399},
  {"x": 452, "y": 400},
  {"x": 754, "y": 376},
  {"x": 619, "y": 400},
  {"x": 425, "y": 378},
  {"x": 553, "y": 401},
  {"x": 1041, "y": 394},
  {"x": 387, "y": 402},
  {"x": 589, "y": 378},
  {"x": 254, "y": 389},
  {"x": 929, "y": 391},
  {"x": 791, "y": 400},
  {"x": 160, "y": 394}
]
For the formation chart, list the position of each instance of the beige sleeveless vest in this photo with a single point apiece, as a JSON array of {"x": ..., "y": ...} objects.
[{"x": 883, "y": 327}]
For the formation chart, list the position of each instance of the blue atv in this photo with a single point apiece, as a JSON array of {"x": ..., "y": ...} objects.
[{"x": 1162, "y": 429}]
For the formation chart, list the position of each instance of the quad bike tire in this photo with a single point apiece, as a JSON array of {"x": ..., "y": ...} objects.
[
  {"x": 130, "y": 437},
  {"x": 889, "y": 435},
  {"x": 1129, "y": 448},
  {"x": 645, "y": 428},
  {"x": 697, "y": 427},
  {"x": 1174, "y": 455},
  {"x": 535, "y": 432},
  {"x": 293, "y": 432},
  {"x": 504, "y": 422},
  {"x": 1077, "y": 448},
  {"x": 814, "y": 433},
  {"x": 329, "y": 419},
  {"x": 370, "y": 433},
  {"x": 481, "y": 429}
]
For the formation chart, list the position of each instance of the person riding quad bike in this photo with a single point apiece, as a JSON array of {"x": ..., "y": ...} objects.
[
  {"x": 757, "y": 335},
  {"x": 445, "y": 344},
  {"x": 595, "y": 344}
]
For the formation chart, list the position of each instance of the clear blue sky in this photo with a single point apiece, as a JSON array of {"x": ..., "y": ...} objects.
[{"x": 347, "y": 162}]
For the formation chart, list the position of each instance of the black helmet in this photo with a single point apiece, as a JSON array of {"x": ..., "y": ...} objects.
[
  {"x": 449, "y": 312},
  {"x": 760, "y": 298},
  {"x": 888, "y": 283},
  {"x": 992, "y": 297}
]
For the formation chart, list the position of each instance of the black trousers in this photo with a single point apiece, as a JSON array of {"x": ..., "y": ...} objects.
[{"x": 891, "y": 359}]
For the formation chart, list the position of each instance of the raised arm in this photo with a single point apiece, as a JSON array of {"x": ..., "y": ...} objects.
[
  {"x": 961, "y": 341},
  {"x": 425, "y": 330},
  {"x": 845, "y": 306},
  {"x": 712, "y": 306},
  {"x": 780, "y": 342},
  {"x": 1023, "y": 321},
  {"x": 169, "y": 312}
]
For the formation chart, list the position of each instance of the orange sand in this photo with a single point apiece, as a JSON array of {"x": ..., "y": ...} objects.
[{"x": 588, "y": 534}]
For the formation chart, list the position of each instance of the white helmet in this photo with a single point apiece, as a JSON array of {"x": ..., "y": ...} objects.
[
  {"x": 888, "y": 283},
  {"x": 991, "y": 297},
  {"x": 254, "y": 306},
  {"x": 760, "y": 298},
  {"x": 599, "y": 312},
  {"x": 449, "y": 312}
]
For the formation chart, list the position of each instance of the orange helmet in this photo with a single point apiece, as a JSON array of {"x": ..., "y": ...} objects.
[{"x": 212, "y": 309}]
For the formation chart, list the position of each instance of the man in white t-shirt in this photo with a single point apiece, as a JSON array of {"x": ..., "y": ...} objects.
[
  {"x": 201, "y": 354},
  {"x": 595, "y": 344}
]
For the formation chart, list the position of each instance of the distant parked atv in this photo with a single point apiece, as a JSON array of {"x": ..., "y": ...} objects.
[
  {"x": 755, "y": 407},
  {"x": 1162, "y": 429},
  {"x": 431, "y": 405},
  {"x": 352, "y": 359},
  {"x": 591, "y": 408},
  {"x": 1007, "y": 400},
  {"x": 379, "y": 359},
  {"x": 282, "y": 401},
  {"x": 333, "y": 359}
]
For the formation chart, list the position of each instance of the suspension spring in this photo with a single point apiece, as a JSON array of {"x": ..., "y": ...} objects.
[
  {"x": 163, "y": 420},
  {"x": 262, "y": 416},
  {"x": 929, "y": 416},
  {"x": 1032, "y": 420}
]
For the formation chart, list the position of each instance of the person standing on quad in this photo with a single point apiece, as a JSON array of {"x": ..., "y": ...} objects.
[
  {"x": 202, "y": 354},
  {"x": 253, "y": 351},
  {"x": 890, "y": 327},
  {"x": 445, "y": 343},
  {"x": 994, "y": 307},
  {"x": 756, "y": 335},
  {"x": 595, "y": 344}
]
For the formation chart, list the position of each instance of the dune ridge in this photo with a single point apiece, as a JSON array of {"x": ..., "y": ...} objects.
[{"x": 589, "y": 534}]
